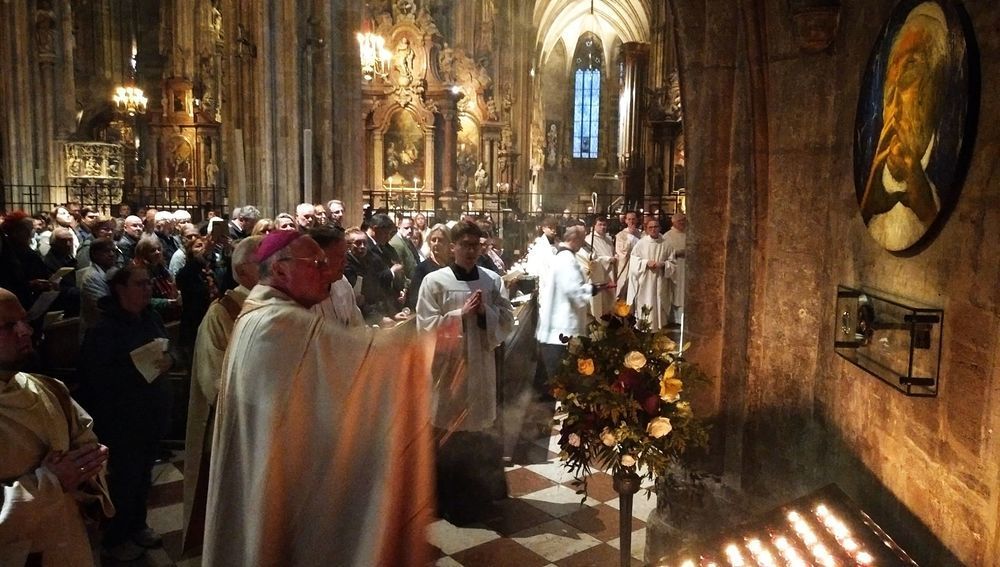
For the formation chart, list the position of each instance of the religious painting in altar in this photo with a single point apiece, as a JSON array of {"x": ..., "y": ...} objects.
[
  {"x": 179, "y": 157},
  {"x": 468, "y": 156},
  {"x": 911, "y": 140},
  {"x": 403, "y": 152}
]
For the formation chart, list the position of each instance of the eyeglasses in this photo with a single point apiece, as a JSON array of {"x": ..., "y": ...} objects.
[{"x": 318, "y": 263}]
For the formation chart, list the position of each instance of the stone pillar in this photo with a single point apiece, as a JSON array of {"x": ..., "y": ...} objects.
[
  {"x": 632, "y": 165},
  {"x": 378, "y": 164},
  {"x": 45, "y": 45},
  {"x": 448, "y": 174},
  {"x": 429, "y": 162}
]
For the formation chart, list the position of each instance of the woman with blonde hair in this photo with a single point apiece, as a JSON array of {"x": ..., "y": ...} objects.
[
  {"x": 263, "y": 227},
  {"x": 438, "y": 256}
]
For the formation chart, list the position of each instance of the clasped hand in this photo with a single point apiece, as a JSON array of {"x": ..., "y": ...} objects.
[
  {"x": 474, "y": 304},
  {"x": 76, "y": 466}
]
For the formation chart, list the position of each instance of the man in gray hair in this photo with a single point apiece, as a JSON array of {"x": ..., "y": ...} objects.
[
  {"x": 242, "y": 221},
  {"x": 206, "y": 375}
]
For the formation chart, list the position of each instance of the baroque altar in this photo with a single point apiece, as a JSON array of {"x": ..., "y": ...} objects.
[{"x": 432, "y": 129}]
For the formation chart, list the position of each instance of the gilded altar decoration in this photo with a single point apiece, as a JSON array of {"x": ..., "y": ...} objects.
[
  {"x": 95, "y": 161},
  {"x": 95, "y": 171},
  {"x": 619, "y": 392}
]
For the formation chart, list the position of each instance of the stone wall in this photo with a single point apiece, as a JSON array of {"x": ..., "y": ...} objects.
[{"x": 775, "y": 227}]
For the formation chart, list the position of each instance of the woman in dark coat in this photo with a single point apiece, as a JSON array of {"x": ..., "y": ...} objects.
[{"x": 131, "y": 411}]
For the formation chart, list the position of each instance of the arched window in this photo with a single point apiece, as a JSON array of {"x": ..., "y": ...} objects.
[{"x": 586, "y": 97}]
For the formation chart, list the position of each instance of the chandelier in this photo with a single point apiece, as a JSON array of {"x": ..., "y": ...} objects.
[
  {"x": 130, "y": 100},
  {"x": 375, "y": 58}
]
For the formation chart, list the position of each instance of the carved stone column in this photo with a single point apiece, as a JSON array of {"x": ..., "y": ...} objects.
[
  {"x": 378, "y": 163},
  {"x": 45, "y": 45},
  {"x": 631, "y": 162},
  {"x": 429, "y": 162},
  {"x": 448, "y": 173}
]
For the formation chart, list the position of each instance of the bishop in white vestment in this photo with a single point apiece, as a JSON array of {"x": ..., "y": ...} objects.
[{"x": 322, "y": 447}]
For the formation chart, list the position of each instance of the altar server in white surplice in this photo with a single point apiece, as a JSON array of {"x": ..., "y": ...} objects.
[
  {"x": 597, "y": 260},
  {"x": 652, "y": 266},
  {"x": 465, "y": 302},
  {"x": 322, "y": 446},
  {"x": 466, "y": 308}
]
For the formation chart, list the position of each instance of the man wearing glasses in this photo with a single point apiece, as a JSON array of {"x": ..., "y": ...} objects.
[
  {"x": 316, "y": 424},
  {"x": 466, "y": 307}
]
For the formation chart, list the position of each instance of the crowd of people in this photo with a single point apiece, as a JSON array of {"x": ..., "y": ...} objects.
[{"x": 311, "y": 390}]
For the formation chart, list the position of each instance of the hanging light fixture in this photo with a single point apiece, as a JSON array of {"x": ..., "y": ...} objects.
[
  {"x": 129, "y": 99},
  {"x": 375, "y": 58}
]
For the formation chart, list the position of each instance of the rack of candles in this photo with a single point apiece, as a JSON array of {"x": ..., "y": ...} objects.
[{"x": 823, "y": 529}]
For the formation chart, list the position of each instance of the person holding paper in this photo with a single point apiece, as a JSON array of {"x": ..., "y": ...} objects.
[{"x": 122, "y": 363}]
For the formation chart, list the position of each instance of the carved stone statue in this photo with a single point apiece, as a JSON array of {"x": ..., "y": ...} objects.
[
  {"x": 480, "y": 179},
  {"x": 45, "y": 30},
  {"x": 211, "y": 173},
  {"x": 406, "y": 7},
  {"x": 216, "y": 24},
  {"x": 404, "y": 61},
  {"x": 552, "y": 150}
]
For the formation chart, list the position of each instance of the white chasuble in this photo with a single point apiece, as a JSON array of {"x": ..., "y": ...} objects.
[
  {"x": 36, "y": 516},
  {"x": 322, "y": 453}
]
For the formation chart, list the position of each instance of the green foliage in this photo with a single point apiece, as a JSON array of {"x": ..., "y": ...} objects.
[{"x": 619, "y": 388}]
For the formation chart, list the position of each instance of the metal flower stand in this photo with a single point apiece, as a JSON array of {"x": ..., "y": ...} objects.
[{"x": 626, "y": 484}]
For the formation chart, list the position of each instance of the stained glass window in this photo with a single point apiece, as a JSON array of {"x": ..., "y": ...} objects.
[{"x": 587, "y": 99}]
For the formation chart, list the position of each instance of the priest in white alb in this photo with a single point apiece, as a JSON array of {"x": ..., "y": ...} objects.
[
  {"x": 597, "y": 260},
  {"x": 322, "y": 446},
  {"x": 652, "y": 266},
  {"x": 676, "y": 239}
]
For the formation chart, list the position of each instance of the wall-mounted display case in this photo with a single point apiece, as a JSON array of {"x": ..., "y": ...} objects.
[{"x": 893, "y": 339}]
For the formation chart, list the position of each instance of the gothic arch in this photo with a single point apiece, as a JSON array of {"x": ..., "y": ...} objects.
[{"x": 567, "y": 20}]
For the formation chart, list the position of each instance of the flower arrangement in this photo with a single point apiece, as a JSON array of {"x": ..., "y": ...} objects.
[{"x": 619, "y": 392}]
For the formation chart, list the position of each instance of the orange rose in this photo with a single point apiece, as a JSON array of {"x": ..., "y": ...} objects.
[
  {"x": 585, "y": 366},
  {"x": 622, "y": 308}
]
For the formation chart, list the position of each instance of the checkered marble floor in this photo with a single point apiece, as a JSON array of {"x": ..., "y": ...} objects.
[{"x": 542, "y": 523}]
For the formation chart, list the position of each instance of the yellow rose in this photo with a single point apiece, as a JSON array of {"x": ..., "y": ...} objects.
[
  {"x": 628, "y": 461},
  {"x": 635, "y": 360},
  {"x": 670, "y": 389},
  {"x": 608, "y": 438},
  {"x": 622, "y": 308},
  {"x": 684, "y": 409},
  {"x": 663, "y": 343},
  {"x": 585, "y": 366},
  {"x": 659, "y": 427}
]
